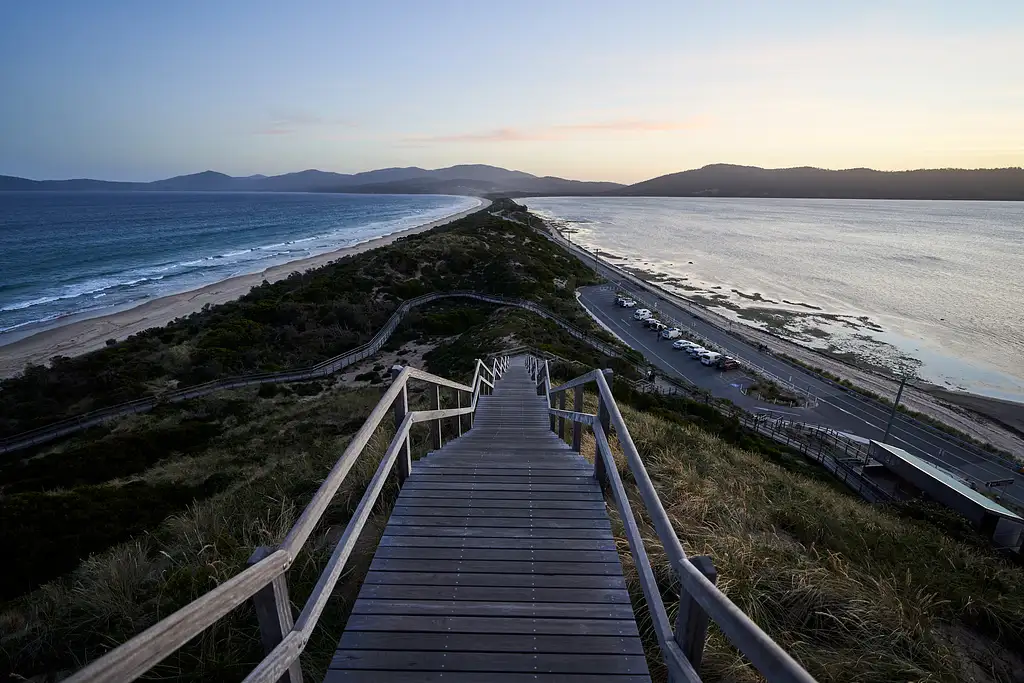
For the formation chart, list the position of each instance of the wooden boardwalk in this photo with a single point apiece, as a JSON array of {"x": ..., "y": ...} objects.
[{"x": 497, "y": 564}]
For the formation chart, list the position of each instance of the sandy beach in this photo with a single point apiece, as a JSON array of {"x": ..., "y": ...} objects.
[{"x": 78, "y": 336}]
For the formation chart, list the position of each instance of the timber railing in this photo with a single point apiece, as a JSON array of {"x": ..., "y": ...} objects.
[
  {"x": 265, "y": 581},
  {"x": 328, "y": 367},
  {"x": 700, "y": 599}
]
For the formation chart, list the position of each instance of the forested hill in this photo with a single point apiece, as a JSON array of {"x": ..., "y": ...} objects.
[{"x": 726, "y": 180}]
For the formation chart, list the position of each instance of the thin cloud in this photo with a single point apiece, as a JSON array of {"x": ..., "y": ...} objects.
[
  {"x": 562, "y": 132},
  {"x": 633, "y": 125},
  {"x": 288, "y": 122}
]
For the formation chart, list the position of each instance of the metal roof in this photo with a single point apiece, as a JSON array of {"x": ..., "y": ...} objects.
[{"x": 946, "y": 479}]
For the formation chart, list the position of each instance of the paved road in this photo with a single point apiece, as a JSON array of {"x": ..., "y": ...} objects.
[{"x": 838, "y": 409}]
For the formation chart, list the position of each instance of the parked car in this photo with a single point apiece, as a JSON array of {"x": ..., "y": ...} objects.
[
  {"x": 683, "y": 344},
  {"x": 657, "y": 326},
  {"x": 641, "y": 314},
  {"x": 671, "y": 333},
  {"x": 710, "y": 358},
  {"x": 728, "y": 363},
  {"x": 695, "y": 351},
  {"x": 652, "y": 322},
  {"x": 628, "y": 303}
]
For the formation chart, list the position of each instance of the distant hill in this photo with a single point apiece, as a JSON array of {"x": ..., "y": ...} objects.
[
  {"x": 475, "y": 179},
  {"x": 726, "y": 180}
]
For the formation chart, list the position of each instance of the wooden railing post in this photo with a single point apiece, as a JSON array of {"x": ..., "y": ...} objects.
[
  {"x": 692, "y": 620},
  {"x": 401, "y": 407},
  {"x": 561, "y": 419},
  {"x": 274, "y": 614},
  {"x": 577, "y": 427},
  {"x": 458, "y": 404},
  {"x": 437, "y": 424},
  {"x": 603, "y": 417}
]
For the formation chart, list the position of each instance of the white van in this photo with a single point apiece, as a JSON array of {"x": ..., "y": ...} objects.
[
  {"x": 641, "y": 314},
  {"x": 710, "y": 358}
]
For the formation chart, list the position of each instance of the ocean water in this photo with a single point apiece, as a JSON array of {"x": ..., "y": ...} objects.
[
  {"x": 942, "y": 282},
  {"x": 66, "y": 253}
]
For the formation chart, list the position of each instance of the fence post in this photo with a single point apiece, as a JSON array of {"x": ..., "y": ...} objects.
[
  {"x": 401, "y": 407},
  {"x": 274, "y": 614},
  {"x": 437, "y": 424},
  {"x": 458, "y": 404},
  {"x": 692, "y": 620},
  {"x": 577, "y": 427},
  {"x": 561, "y": 420},
  {"x": 605, "y": 418}
]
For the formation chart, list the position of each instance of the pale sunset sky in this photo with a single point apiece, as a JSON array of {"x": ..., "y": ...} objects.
[{"x": 595, "y": 90}]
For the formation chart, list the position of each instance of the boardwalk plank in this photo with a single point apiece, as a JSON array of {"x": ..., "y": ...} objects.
[
  {"x": 389, "y": 541},
  {"x": 497, "y": 567},
  {"x": 452, "y": 578},
  {"x": 512, "y": 662},
  {"x": 374, "y": 676},
  {"x": 498, "y": 522},
  {"x": 497, "y": 593},
  {"x": 488, "y": 642},
  {"x": 502, "y": 554},
  {"x": 473, "y": 608}
]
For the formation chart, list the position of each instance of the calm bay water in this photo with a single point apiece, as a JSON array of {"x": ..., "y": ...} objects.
[
  {"x": 944, "y": 281},
  {"x": 63, "y": 253}
]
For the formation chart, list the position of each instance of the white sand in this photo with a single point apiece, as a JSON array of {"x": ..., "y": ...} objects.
[{"x": 81, "y": 336}]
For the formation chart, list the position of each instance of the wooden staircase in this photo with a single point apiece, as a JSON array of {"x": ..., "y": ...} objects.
[{"x": 497, "y": 564}]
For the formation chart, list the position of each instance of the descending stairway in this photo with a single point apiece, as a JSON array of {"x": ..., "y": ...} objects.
[{"x": 497, "y": 564}]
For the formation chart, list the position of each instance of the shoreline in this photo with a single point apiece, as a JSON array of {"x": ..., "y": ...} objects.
[
  {"x": 78, "y": 335},
  {"x": 982, "y": 417}
]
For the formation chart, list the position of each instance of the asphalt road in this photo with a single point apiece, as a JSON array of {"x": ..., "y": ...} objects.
[{"x": 841, "y": 410}]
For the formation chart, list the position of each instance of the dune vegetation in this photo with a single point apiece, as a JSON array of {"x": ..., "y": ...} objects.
[{"x": 143, "y": 515}]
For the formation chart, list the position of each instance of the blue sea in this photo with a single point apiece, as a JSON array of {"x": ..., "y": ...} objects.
[{"x": 70, "y": 253}]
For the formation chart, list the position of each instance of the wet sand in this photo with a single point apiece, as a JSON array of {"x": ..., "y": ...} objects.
[{"x": 78, "y": 336}]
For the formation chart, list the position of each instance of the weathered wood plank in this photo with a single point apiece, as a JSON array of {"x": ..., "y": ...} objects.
[
  {"x": 532, "y": 478},
  {"x": 497, "y": 532},
  {"x": 374, "y": 676},
  {"x": 488, "y": 662},
  {"x": 510, "y": 554},
  {"x": 497, "y": 567},
  {"x": 449, "y": 502},
  {"x": 449, "y": 578},
  {"x": 490, "y": 642},
  {"x": 498, "y": 522},
  {"x": 594, "y": 494},
  {"x": 467, "y": 624},
  {"x": 378, "y": 591},
  {"x": 505, "y": 513},
  {"x": 414, "y": 484},
  {"x": 513, "y": 543}
]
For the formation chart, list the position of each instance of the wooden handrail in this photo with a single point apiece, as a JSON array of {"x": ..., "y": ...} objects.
[
  {"x": 680, "y": 648},
  {"x": 136, "y": 656}
]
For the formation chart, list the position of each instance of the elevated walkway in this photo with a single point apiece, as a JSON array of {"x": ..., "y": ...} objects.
[{"x": 498, "y": 563}]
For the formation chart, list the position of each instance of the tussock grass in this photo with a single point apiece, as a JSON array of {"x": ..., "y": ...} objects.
[
  {"x": 273, "y": 457},
  {"x": 855, "y": 592}
]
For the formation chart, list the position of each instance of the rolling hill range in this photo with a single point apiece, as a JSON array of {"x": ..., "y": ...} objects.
[
  {"x": 716, "y": 180},
  {"x": 464, "y": 179},
  {"x": 726, "y": 180}
]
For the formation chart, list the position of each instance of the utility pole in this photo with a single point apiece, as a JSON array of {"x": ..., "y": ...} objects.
[{"x": 892, "y": 415}]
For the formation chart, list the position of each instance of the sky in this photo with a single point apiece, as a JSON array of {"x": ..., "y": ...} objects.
[{"x": 592, "y": 90}]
